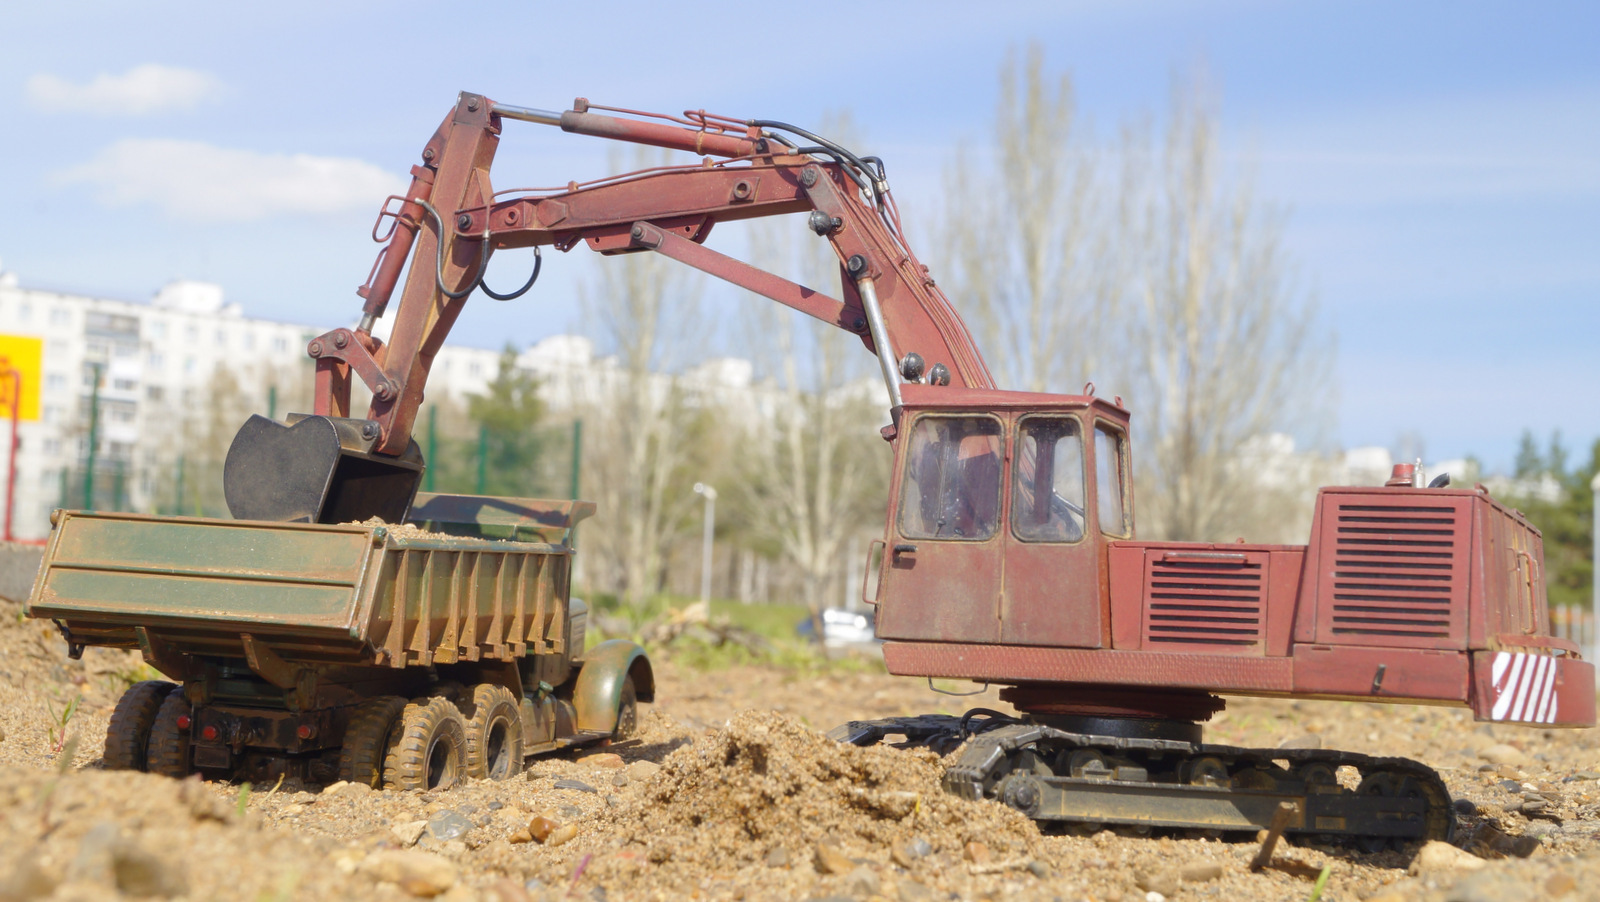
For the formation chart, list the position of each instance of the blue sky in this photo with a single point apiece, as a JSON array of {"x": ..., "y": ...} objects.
[{"x": 1440, "y": 162}]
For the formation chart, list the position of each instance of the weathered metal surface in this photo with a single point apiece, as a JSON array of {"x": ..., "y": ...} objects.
[
  {"x": 1017, "y": 664},
  {"x": 291, "y": 594},
  {"x": 1392, "y": 567},
  {"x": 1381, "y": 674},
  {"x": 552, "y": 521},
  {"x": 1533, "y": 687},
  {"x": 317, "y": 469},
  {"x": 599, "y": 685},
  {"x": 1056, "y": 775}
]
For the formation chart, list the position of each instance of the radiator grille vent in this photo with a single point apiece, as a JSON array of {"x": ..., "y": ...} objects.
[
  {"x": 1205, "y": 602},
  {"x": 1396, "y": 570}
]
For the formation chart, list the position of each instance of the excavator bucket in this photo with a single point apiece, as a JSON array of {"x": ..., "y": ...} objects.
[{"x": 317, "y": 469}]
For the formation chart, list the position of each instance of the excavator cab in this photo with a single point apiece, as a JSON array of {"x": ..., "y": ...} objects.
[{"x": 1002, "y": 506}]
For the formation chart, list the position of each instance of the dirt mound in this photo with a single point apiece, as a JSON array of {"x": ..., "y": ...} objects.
[{"x": 765, "y": 785}]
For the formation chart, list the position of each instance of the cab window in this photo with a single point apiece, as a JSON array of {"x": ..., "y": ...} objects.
[
  {"x": 1047, "y": 481},
  {"x": 951, "y": 488},
  {"x": 1110, "y": 475}
]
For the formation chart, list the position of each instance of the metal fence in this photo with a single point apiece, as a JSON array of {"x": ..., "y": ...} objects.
[{"x": 1577, "y": 624}]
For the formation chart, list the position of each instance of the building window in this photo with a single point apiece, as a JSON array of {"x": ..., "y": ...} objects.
[
  {"x": 280, "y": 344},
  {"x": 249, "y": 341},
  {"x": 155, "y": 361},
  {"x": 60, "y": 316},
  {"x": 25, "y": 312},
  {"x": 153, "y": 392},
  {"x": 124, "y": 384},
  {"x": 55, "y": 382}
]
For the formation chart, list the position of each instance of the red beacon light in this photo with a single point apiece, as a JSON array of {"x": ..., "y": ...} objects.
[
  {"x": 208, "y": 733},
  {"x": 184, "y": 721}
]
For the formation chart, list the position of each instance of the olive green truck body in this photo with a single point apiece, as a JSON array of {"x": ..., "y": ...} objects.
[{"x": 311, "y": 650}]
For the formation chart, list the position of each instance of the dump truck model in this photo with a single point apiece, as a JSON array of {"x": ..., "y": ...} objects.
[
  {"x": 366, "y": 652},
  {"x": 1009, "y": 554}
]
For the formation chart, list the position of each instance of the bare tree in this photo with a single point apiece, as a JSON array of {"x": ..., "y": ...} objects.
[
  {"x": 813, "y": 475},
  {"x": 1222, "y": 345},
  {"x": 638, "y": 428},
  {"x": 1025, "y": 239},
  {"x": 1151, "y": 267}
]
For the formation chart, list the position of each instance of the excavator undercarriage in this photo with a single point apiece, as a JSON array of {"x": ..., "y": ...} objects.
[{"x": 1087, "y": 773}]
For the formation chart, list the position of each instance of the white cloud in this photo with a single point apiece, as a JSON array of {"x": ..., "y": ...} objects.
[
  {"x": 198, "y": 181},
  {"x": 140, "y": 91}
]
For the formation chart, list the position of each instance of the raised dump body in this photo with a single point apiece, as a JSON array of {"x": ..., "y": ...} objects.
[{"x": 288, "y": 636}]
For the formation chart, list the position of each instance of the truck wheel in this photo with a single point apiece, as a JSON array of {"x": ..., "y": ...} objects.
[
  {"x": 494, "y": 734},
  {"x": 627, "y": 711},
  {"x": 428, "y": 749},
  {"x": 128, "y": 736},
  {"x": 366, "y": 739},
  {"x": 168, "y": 751}
]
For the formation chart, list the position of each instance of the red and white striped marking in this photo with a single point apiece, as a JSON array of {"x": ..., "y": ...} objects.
[{"x": 1524, "y": 687}]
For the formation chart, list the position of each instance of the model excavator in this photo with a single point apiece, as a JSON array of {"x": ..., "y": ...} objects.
[{"x": 1009, "y": 554}]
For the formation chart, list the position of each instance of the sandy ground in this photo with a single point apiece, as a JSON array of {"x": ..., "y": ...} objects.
[{"x": 731, "y": 793}]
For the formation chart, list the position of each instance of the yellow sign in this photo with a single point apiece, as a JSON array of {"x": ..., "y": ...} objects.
[{"x": 25, "y": 354}]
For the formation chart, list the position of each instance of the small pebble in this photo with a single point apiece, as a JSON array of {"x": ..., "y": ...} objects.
[
  {"x": 863, "y": 881},
  {"x": 1465, "y": 807},
  {"x": 640, "y": 771},
  {"x": 540, "y": 828},
  {"x": 562, "y": 834},
  {"x": 408, "y": 833},
  {"x": 778, "y": 857},
  {"x": 447, "y": 825},
  {"x": 829, "y": 860},
  {"x": 1164, "y": 882},
  {"x": 1559, "y": 885},
  {"x": 1039, "y": 869},
  {"x": 496, "y": 805},
  {"x": 619, "y": 780},
  {"x": 609, "y": 760},
  {"x": 579, "y": 785},
  {"x": 1201, "y": 871}
]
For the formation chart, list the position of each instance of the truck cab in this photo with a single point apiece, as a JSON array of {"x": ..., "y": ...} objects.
[{"x": 1002, "y": 506}]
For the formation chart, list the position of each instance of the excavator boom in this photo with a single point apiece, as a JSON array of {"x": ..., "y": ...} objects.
[{"x": 332, "y": 467}]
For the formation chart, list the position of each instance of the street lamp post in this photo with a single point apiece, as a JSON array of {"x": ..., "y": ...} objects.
[{"x": 710, "y": 494}]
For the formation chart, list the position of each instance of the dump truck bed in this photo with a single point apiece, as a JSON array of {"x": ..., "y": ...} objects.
[{"x": 354, "y": 594}]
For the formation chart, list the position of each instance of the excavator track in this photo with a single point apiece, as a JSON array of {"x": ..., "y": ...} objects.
[{"x": 1069, "y": 779}]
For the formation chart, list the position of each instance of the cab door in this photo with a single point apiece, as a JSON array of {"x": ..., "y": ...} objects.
[
  {"x": 1051, "y": 595},
  {"x": 942, "y": 567}
]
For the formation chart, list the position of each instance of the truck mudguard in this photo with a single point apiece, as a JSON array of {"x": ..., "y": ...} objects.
[{"x": 599, "y": 687}]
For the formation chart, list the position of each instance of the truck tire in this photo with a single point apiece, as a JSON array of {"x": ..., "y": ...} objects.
[
  {"x": 128, "y": 736},
  {"x": 428, "y": 748},
  {"x": 627, "y": 711},
  {"x": 494, "y": 733},
  {"x": 168, "y": 751},
  {"x": 366, "y": 739}
]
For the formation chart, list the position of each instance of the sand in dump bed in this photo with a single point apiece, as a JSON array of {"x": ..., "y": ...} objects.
[{"x": 728, "y": 793}]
